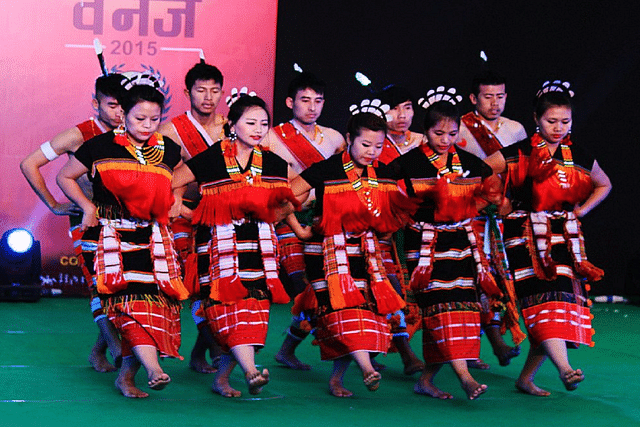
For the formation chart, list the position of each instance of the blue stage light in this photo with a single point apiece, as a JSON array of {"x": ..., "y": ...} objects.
[{"x": 19, "y": 240}]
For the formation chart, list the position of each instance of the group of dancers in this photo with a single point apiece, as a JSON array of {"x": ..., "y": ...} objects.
[{"x": 375, "y": 235}]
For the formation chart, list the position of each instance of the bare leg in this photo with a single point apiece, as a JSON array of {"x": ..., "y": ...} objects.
[
  {"x": 204, "y": 343},
  {"x": 503, "y": 352},
  {"x": 126, "y": 378},
  {"x": 221, "y": 381},
  {"x": 473, "y": 388},
  {"x": 556, "y": 349},
  {"x": 245, "y": 356},
  {"x": 370, "y": 376},
  {"x": 286, "y": 355},
  {"x": 98, "y": 357},
  {"x": 411, "y": 362},
  {"x": 148, "y": 356},
  {"x": 336, "y": 385},
  {"x": 425, "y": 384},
  {"x": 112, "y": 339},
  {"x": 524, "y": 383}
]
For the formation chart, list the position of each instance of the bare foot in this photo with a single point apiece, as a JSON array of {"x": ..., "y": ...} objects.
[
  {"x": 127, "y": 387},
  {"x": 372, "y": 380},
  {"x": 223, "y": 388},
  {"x": 478, "y": 364},
  {"x": 158, "y": 381},
  {"x": 428, "y": 389},
  {"x": 474, "y": 389},
  {"x": 99, "y": 362},
  {"x": 257, "y": 380},
  {"x": 291, "y": 361},
  {"x": 336, "y": 388},
  {"x": 506, "y": 354},
  {"x": 200, "y": 365},
  {"x": 528, "y": 387},
  {"x": 572, "y": 378},
  {"x": 416, "y": 365}
]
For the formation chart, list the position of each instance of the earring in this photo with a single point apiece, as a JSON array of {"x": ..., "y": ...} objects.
[
  {"x": 233, "y": 136},
  {"x": 537, "y": 129}
]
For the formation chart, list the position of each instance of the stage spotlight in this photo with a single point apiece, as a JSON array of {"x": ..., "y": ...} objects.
[{"x": 20, "y": 266}]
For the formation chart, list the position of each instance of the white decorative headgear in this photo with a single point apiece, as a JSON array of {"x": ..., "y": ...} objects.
[
  {"x": 440, "y": 94},
  {"x": 555, "y": 86},
  {"x": 134, "y": 78},
  {"x": 362, "y": 79},
  {"x": 297, "y": 68},
  {"x": 235, "y": 95},
  {"x": 370, "y": 106}
]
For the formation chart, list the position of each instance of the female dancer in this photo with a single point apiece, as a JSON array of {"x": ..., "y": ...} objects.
[
  {"x": 132, "y": 257},
  {"x": 242, "y": 187},
  {"x": 444, "y": 252},
  {"x": 353, "y": 294},
  {"x": 553, "y": 182}
]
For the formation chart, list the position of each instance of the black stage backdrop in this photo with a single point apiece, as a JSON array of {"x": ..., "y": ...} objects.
[{"x": 423, "y": 44}]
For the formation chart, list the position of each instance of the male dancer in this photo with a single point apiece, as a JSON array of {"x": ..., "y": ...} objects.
[
  {"x": 196, "y": 130},
  {"x": 482, "y": 133},
  {"x": 109, "y": 117},
  {"x": 399, "y": 138},
  {"x": 301, "y": 142}
]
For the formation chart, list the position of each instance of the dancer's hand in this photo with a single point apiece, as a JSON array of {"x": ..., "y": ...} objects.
[{"x": 89, "y": 217}]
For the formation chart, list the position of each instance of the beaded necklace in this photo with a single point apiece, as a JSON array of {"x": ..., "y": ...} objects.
[
  {"x": 253, "y": 174},
  {"x": 316, "y": 129},
  {"x": 367, "y": 188},
  {"x": 407, "y": 137},
  {"x": 440, "y": 163},
  {"x": 150, "y": 153}
]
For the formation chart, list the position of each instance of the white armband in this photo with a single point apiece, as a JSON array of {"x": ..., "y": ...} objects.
[{"x": 48, "y": 152}]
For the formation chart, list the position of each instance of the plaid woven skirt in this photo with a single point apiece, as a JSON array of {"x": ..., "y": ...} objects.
[
  {"x": 151, "y": 321},
  {"x": 243, "y": 323},
  {"x": 551, "y": 308},
  {"x": 341, "y": 332},
  {"x": 449, "y": 305}
]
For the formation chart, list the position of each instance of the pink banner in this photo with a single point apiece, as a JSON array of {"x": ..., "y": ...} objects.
[{"x": 48, "y": 68}]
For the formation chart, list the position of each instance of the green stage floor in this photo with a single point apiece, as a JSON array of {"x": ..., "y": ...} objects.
[{"x": 45, "y": 380}]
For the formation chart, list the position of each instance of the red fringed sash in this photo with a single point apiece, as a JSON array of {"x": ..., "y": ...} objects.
[
  {"x": 144, "y": 190},
  {"x": 89, "y": 129},
  {"x": 343, "y": 291},
  {"x": 359, "y": 204},
  {"x": 191, "y": 138},
  {"x": 242, "y": 195},
  {"x": 390, "y": 152},
  {"x": 554, "y": 183},
  {"x": 166, "y": 268},
  {"x": 108, "y": 261},
  {"x": 387, "y": 299},
  {"x": 537, "y": 233},
  {"x": 483, "y": 135},
  {"x": 304, "y": 152}
]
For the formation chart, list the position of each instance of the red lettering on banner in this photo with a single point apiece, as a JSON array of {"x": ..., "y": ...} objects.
[{"x": 123, "y": 19}]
